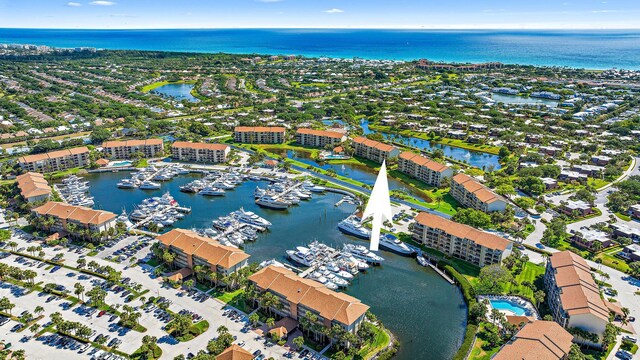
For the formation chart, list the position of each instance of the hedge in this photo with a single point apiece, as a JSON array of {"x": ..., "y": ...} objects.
[{"x": 469, "y": 336}]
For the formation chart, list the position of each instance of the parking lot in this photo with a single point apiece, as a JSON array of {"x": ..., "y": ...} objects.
[{"x": 153, "y": 319}]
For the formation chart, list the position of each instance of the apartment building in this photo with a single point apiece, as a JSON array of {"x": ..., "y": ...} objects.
[
  {"x": 192, "y": 250},
  {"x": 319, "y": 138},
  {"x": 33, "y": 187},
  {"x": 299, "y": 295},
  {"x": 472, "y": 194},
  {"x": 374, "y": 150},
  {"x": 125, "y": 149},
  {"x": 537, "y": 340},
  {"x": 82, "y": 217},
  {"x": 424, "y": 169},
  {"x": 259, "y": 134},
  {"x": 573, "y": 296},
  {"x": 464, "y": 242},
  {"x": 55, "y": 160},
  {"x": 199, "y": 152}
]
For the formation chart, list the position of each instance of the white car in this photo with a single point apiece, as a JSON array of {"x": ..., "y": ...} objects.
[{"x": 633, "y": 339}]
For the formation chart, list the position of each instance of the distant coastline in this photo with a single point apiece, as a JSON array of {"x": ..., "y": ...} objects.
[{"x": 589, "y": 49}]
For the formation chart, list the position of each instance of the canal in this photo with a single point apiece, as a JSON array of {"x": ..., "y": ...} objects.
[
  {"x": 474, "y": 158},
  {"x": 426, "y": 313}
]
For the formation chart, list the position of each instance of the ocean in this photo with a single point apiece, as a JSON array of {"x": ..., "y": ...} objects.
[{"x": 591, "y": 49}]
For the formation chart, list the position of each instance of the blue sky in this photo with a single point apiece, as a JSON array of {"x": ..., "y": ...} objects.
[{"x": 458, "y": 14}]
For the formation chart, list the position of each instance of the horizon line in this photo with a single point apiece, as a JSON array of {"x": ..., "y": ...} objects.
[{"x": 335, "y": 28}]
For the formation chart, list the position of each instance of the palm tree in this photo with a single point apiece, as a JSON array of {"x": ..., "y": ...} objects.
[
  {"x": 271, "y": 322},
  {"x": 79, "y": 290},
  {"x": 38, "y": 310},
  {"x": 13, "y": 245}
]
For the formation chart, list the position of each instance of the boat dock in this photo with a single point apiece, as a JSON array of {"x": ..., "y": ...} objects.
[
  {"x": 334, "y": 254},
  {"x": 286, "y": 191},
  {"x": 156, "y": 213},
  {"x": 435, "y": 268}
]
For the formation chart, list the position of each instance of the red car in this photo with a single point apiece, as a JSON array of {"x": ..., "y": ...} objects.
[{"x": 101, "y": 313}]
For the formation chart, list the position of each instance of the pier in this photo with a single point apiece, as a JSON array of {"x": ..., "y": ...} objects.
[
  {"x": 435, "y": 268},
  {"x": 159, "y": 212},
  {"x": 334, "y": 254}
]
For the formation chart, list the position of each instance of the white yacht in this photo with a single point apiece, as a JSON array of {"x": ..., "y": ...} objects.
[
  {"x": 127, "y": 184},
  {"x": 149, "y": 185},
  {"x": 352, "y": 227},
  {"x": 211, "y": 191},
  {"x": 392, "y": 243},
  {"x": 272, "y": 202},
  {"x": 251, "y": 218},
  {"x": 301, "y": 255},
  {"x": 363, "y": 253},
  {"x": 421, "y": 260}
]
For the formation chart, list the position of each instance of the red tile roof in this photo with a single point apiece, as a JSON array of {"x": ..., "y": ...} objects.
[
  {"x": 463, "y": 231},
  {"x": 331, "y": 134}
]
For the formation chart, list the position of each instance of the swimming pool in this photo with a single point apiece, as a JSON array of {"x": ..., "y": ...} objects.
[
  {"x": 122, "y": 163},
  {"x": 509, "y": 306}
]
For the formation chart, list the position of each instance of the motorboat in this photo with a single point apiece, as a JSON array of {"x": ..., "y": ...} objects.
[
  {"x": 211, "y": 191},
  {"x": 352, "y": 227},
  {"x": 251, "y": 218},
  {"x": 362, "y": 253},
  {"x": 149, "y": 185},
  {"x": 301, "y": 255},
  {"x": 422, "y": 261},
  {"x": 271, "y": 202},
  {"x": 392, "y": 243}
]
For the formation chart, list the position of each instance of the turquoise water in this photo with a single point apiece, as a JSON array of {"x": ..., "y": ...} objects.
[
  {"x": 426, "y": 313},
  {"x": 509, "y": 306},
  {"x": 122, "y": 163},
  {"x": 478, "y": 159},
  {"x": 593, "y": 49},
  {"x": 176, "y": 91}
]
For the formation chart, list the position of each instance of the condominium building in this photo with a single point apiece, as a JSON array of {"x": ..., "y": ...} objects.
[
  {"x": 125, "y": 149},
  {"x": 319, "y": 138},
  {"x": 538, "y": 340},
  {"x": 191, "y": 249},
  {"x": 33, "y": 187},
  {"x": 374, "y": 150},
  {"x": 200, "y": 152},
  {"x": 472, "y": 194},
  {"x": 299, "y": 295},
  {"x": 259, "y": 134},
  {"x": 573, "y": 296},
  {"x": 80, "y": 216},
  {"x": 424, "y": 169},
  {"x": 56, "y": 160},
  {"x": 478, "y": 247}
]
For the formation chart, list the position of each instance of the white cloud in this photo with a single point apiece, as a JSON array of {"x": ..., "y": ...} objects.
[
  {"x": 334, "y": 11},
  {"x": 102, "y": 3},
  {"x": 74, "y": 4}
]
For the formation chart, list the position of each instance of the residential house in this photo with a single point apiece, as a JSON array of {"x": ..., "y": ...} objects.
[
  {"x": 630, "y": 252},
  {"x": 200, "y": 152},
  {"x": 472, "y": 194},
  {"x": 589, "y": 238},
  {"x": 576, "y": 207},
  {"x": 477, "y": 247}
]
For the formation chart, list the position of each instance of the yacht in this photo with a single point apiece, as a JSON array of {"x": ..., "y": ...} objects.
[
  {"x": 149, "y": 185},
  {"x": 350, "y": 259},
  {"x": 352, "y": 227},
  {"x": 301, "y": 255},
  {"x": 211, "y": 191},
  {"x": 127, "y": 184},
  {"x": 251, "y": 218},
  {"x": 361, "y": 252},
  {"x": 392, "y": 243},
  {"x": 259, "y": 192},
  {"x": 272, "y": 203},
  {"x": 337, "y": 280}
]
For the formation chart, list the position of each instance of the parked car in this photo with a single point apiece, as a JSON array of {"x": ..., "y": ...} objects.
[{"x": 633, "y": 339}]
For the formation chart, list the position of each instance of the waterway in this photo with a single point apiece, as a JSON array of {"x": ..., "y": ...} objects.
[
  {"x": 427, "y": 314},
  {"x": 361, "y": 173},
  {"x": 176, "y": 91},
  {"x": 519, "y": 100},
  {"x": 474, "y": 158}
]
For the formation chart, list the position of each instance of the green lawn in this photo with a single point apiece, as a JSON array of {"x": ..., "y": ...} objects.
[
  {"x": 226, "y": 297},
  {"x": 380, "y": 342},
  {"x": 478, "y": 353},
  {"x": 597, "y": 183},
  {"x": 608, "y": 258},
  {"x": 624, "y": 217},
  {"x": 530, "y": 273}
]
